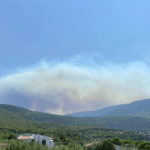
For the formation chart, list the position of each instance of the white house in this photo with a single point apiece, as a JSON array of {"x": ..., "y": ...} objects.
[{"x": 43, "y": 140}]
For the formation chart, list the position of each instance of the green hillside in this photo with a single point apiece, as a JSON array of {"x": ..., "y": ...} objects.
[
  {"x": 50, "y": 118},
  {"x": 66, "y": 134},
  {"x": 119, "y": 122},
  {"x": 15, "y": 123}
]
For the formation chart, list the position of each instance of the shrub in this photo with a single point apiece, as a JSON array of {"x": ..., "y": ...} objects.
[
  {"x": 116, "y": 141},
  {"x": 106, "y": 145},
  {"x": 144, "y": 145}
]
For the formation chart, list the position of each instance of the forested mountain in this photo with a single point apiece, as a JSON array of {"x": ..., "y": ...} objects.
[
  {"x": 139, "y": 108},
  {"x": 19, "y": 115},
  {"x": 97, "y": 113}
]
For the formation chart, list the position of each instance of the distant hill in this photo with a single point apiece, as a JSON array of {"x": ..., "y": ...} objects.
[
  {"x": 139, "y": 108},
  {"x": 15, "y": 123},
  {"x": 97, "y": 113},
  {"x": 13, "y": 114},
  {"x": 15, "y": 109},
  {"x": 49, "y": 118}
]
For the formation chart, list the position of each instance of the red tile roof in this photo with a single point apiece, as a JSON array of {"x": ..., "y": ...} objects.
[{"x": 24, "y": 137}]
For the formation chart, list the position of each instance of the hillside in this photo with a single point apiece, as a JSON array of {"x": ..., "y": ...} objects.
[
  {"x": 139, "y": 108},
  {"x": 10, "y": 122},
  {"x": 50, "y": 118},
  {"x": 97, "y": 113},
  {"x": 6, "y": 116},
  {"x": 15, "y": 123},
  {"x": 120, "y": 122}
]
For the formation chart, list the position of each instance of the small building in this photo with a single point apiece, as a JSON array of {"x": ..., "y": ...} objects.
[
  {"x": 43, "y": 140},
  {"x": 4, "y": 144}
]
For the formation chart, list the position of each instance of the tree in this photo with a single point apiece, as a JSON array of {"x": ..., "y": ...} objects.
[
  {"x": 144, "y": 145},
  {"x": 128, "y": 142},
  {"x": 116, "y": 141},
  {"x": 12, "y": 136},
  {"x": 106, "y": 145}
]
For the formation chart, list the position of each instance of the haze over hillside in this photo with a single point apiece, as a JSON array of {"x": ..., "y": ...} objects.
[
  {"x": 87, "y": 56},
  {"x": 139, "y": 108},
  {"x": 66, "y": 88}
]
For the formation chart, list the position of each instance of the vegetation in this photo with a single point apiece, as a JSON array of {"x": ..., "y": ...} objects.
[
  {"x": 66, "y": 137},
  {"x": 116, "y": 122},
  {"x": 64, "y": 143}
]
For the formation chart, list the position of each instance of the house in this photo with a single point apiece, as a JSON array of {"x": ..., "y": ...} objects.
[
  {"x": 43, "y": 140},
  {"x": 4, "y": 145}
]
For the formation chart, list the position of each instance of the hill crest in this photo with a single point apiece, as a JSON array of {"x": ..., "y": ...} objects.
[{"x": 139, "y": 108}]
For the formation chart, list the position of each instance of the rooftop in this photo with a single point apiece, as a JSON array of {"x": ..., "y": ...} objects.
[{"x": 24, "y": 137}]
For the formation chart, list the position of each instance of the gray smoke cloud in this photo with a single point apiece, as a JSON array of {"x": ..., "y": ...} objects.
[{"x": 66, "y": 87}]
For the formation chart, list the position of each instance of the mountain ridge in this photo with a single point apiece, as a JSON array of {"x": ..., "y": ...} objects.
[
  {"x": 96, "y": 112},
  {"x": 140, "y": 108},
  {"x": 17, "y": 117}
]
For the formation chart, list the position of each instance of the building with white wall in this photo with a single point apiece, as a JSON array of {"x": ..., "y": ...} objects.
[{"x": 43, "y": 140}]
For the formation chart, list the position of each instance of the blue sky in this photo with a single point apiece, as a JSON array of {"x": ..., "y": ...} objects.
[{"x": 109, "y": 36}]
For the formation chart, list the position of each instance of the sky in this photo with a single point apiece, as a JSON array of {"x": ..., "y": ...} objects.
[{"x": 68, "y": 56}]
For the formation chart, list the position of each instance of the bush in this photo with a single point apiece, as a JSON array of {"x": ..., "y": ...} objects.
[
  {"x": 12, "y": 136},
  {"x": 109, "y": 139},
  {"x": 106, "y": 145},
  {"x": 128, "y": 143},
  {"x": 116, "y": 141},
  {"x": 144, "y": 145},
  {"x": 9, "y": 136}
]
